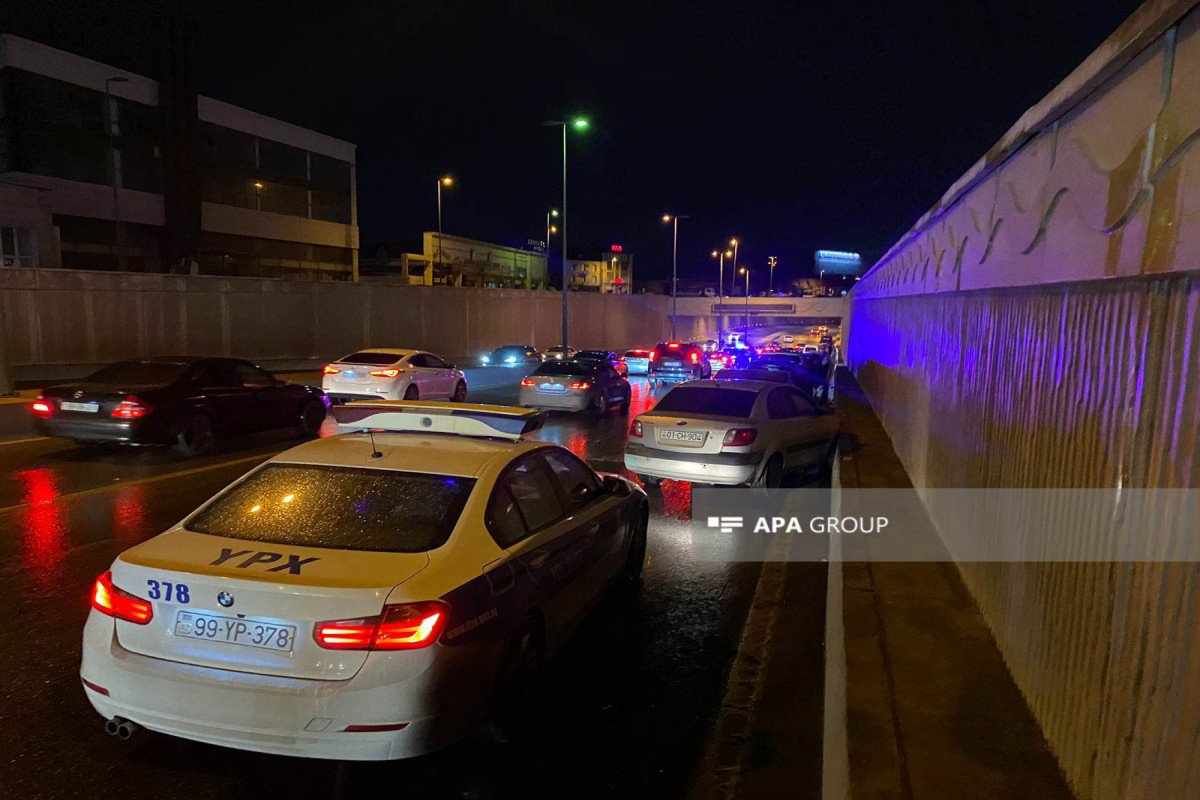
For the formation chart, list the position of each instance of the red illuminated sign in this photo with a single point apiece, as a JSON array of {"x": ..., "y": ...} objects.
[{"x": 616, "y": 248}]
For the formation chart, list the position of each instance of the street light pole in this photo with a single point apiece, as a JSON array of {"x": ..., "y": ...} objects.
[
  {"x": 734, "y": 244},
  {"x": 747, "y": 315},
  {"x": 579, "y": 123},
  {"x": 109, "y": 122},
  {"x": 772, "y": 260},
  {"x": 445, "y": 180},
  {"x": 674, "y": 267}
]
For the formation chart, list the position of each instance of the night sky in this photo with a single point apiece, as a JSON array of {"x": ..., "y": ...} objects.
[{"x": 792, "y": 125}]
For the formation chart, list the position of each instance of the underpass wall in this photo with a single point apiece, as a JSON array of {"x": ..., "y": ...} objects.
[
  {"x": 65, "y": 318},
  {"x": 1040, "y": 327}
]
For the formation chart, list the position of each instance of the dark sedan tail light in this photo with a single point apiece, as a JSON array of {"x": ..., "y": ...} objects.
[
  {"x": 578, "y": 385},
  {"x": 695, "y": 357},
  {"x": 41, "y": 407},
  {"x": 132, "y": 408}
]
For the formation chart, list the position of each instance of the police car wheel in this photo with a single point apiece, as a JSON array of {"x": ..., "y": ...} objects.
[{"x": 523, "y": 657}]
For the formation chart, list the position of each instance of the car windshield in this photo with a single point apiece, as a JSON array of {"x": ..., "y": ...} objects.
[
  {"x": 565, "y": 368},
  {"x": 139, "y": 373},
  {"x": 372, "y": 358},
  {"x": 708, "y": 400},
  {"x": 338, "y": 507}
]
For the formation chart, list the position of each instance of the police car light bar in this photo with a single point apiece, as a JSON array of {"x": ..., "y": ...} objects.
[{"x": 463, "y": 419}]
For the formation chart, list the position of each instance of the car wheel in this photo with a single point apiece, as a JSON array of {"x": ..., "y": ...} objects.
[
  {"x": 772, "y": 474},
  {"x": 460, "y": 392},
  {"x": 649, "y": 480},
  {"x": 520, "y": 663},
  {"x": 411, "y": 393},
  {"x": 311, "y": 417},
  {"x": 624, "y": 407},
  {"x": 635, "y": 559},
  {"x": 196, "y": 437},
  {"x": 831, "y": 453},
  {"x": 596, "y": 407}
]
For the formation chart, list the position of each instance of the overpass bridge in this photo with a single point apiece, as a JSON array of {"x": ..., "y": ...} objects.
[
  {"x": 706, "y": 314},
  {"x": 1039, "y": 328}
]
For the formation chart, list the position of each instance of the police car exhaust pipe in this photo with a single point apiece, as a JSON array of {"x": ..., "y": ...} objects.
[{"x": 120, "y": 727}]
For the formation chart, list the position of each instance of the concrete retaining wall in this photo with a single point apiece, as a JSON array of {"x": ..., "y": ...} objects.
[
  {"x": 63, "y": 318},
  {"x": 1041, "y": 327}
]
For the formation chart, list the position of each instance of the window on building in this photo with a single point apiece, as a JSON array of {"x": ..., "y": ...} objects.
[{"x": 17, "y": 247}]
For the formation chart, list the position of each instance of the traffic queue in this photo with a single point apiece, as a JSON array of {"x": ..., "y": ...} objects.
[{"x": 383, "y": 592}]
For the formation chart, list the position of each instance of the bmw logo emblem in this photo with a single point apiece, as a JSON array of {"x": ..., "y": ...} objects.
[{"x": 225, "y": 599}]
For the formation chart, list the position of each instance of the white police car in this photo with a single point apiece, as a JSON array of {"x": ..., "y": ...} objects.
[{"x": 361, "y": 596}]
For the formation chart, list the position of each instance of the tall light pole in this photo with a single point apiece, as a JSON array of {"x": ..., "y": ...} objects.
[
  {"x": 674, "y": 267},
  {"x": 772, "y": 261},
  {"x": 579, "y": 124},
  {"x": 746, "y": 271},
  {"x": 721, "y": 288},
  {"x": 110, "y": 121},
  {"x": 549, "y": 230},
  {"x": 734, "y": 244},
  {"x": 445, "y": 180}
]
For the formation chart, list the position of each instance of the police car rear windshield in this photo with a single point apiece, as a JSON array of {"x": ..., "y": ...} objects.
[
  {"x": 372, "y": 358},
  {"x": 705, "y": 400},
  {"x": 339, "y": 507}
]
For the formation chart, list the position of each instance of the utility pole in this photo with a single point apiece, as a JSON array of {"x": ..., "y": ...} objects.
[{"x": 772, "y": 261}]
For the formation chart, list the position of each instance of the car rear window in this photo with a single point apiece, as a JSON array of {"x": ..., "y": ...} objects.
[
  {"x": 565, "y": 368},
  {"x": 509, "y": 351},
  {"x": 706, "y": 400},
  {"x": 594, "y": 355},
  {"x": 372, "y": 358},
  {"x": 338, "y": 507},
  {"x": 681, "y": 352},
  {"x": 636, "y": 354},
  {"x": 141, "y": 373}
]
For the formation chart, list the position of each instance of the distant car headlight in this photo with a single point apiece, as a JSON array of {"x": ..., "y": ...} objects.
[
  {"x": 510, "y": 360},
  {"x": 486, "y": 359}
]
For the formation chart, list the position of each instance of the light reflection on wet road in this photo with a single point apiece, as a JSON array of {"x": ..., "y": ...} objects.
[{"x": 625, "y": 706}]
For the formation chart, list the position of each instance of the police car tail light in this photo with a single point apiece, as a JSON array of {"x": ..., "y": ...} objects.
[
  {"x": 635, "y": 430},
  {"x": 405, "y": 626},
  {"x": 330, "y": 369},
  {"x": 132, "y": 408},
  {"x": 739, "y": 437},
  {"x": 387, "y": 373},
  {"x": 118, "y": 603},
  {"x": 526, "y": 382}
]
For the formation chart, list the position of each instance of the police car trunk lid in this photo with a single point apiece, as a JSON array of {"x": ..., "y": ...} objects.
[{"x": 251, "y": 607}]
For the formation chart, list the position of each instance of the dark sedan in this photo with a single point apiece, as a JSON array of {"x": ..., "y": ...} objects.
[
  {"x": 182, "y": 401},
  {"x": 611, "y": 357},
  {"x": 813, "y": 372}
]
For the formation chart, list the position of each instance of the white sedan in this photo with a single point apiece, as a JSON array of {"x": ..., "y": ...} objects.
[
  {"x": 731, "y": 432},
  {"x": 384, "y": 373},
  {"x": 364, "y": 596}
]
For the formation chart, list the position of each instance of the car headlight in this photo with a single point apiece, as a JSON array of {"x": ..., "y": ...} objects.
[
  {"x": 510, "y": 360},
  {"x": 486, "y": 359}
]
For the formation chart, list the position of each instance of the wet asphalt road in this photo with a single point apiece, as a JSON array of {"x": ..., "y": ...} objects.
[{"x": 624, "y": 708}]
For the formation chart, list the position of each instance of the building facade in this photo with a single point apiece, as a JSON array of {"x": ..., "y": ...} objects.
[
  {"x": 105, "y": 169},
  {"x": 607, "y": 272},
  {"x": 460, "y": 262}
]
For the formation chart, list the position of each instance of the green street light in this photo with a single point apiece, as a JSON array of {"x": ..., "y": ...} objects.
[{"x": 580, "y": 123}]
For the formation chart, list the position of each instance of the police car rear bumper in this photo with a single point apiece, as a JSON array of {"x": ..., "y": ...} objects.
[{"x": 288, "y": 716}]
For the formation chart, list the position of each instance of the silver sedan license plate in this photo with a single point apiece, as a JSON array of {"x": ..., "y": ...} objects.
[
  {"x": 687, "y": 438},
  {"x": 245, "y": 632}
]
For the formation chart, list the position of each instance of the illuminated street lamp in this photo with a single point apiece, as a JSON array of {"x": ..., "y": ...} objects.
[
  {"x": 721, "y": 286},
  {"x": 549, "y": 230},
  {"x": 746, "y": 272},
  {"x": 771, "y": 261},
  {"x": 734, "y": 244},
  {"x": 674, "y": 267},
  {"x": 445, "y": 180},
  {"x": 579, "y": 124}
]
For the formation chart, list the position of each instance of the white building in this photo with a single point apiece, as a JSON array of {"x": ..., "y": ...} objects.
[{"x": 201, "y": 185}]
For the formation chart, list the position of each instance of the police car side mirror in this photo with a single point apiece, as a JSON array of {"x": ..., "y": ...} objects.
[{"x": 614, "y": 485}]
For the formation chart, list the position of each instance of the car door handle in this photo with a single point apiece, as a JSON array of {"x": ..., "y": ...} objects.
[{"x": 540, "y": 559}]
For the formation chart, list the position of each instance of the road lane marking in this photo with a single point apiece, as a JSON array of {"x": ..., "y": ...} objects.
[
  {"x": 23, "y": 441},
  {"x": 138, "y": 482}
]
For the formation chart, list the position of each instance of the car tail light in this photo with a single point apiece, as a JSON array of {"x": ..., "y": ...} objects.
[
  {"x": 635, "y": 430},
  {"x": 724, "y": 359},
  {"x": 526, "y": 381},
  {"x": 41, "y": 407},
  {"x": 673, "y": 345},
  {"x": 330, "y": 369},
  {"x": 695, "y": 357},
  {"x": 132, "y": 408},
  {"x": 118, "y": 603},
  {"x": 406, "y": 626},
  {"x": 386, "y": 373},
  {"x": 739, "y": 437},
  {"x": 653, "y": 354},
  {"x": 578, "y": 385}
]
